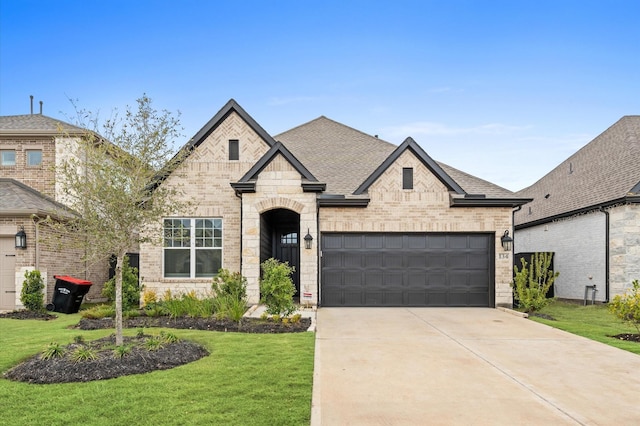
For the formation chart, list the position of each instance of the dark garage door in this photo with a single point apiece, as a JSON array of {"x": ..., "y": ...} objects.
[{"x": 390, "y": 269}]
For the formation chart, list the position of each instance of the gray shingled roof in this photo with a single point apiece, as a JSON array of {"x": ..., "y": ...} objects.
[
  {"x": 605, "y": 170},
  {"x": 35, "y": 123},
  {"x": 344, "y": 158},
  {"x": 17, "y": 198}
]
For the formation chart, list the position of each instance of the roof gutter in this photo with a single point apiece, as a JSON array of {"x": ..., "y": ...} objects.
[{"x": 630, "y": 199}]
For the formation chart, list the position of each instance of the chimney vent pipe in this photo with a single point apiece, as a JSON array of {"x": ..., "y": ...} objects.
[
  {"x": 40, "y": 107},
  {"x": 31, "y": 96}
]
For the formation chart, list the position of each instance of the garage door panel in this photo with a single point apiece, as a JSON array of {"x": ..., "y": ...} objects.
[
  {"x": 393, "y": 260},
  {"x": 387, "y": 269}
]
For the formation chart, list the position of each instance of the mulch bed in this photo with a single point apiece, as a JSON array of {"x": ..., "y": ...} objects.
[
  {"x": 628, "y": 337},
  {"x": 106, "y": 366},
  {"x": 140, "y": 359},
  {"x": 247, "y": 325}
]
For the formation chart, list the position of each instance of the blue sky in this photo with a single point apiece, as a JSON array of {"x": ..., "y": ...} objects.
[{"x": 503, "y": 90}]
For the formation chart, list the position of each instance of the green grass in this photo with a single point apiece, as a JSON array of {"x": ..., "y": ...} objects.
[
  {"x": 594, "y": 322},
  {"x": 258, "y": 379}
]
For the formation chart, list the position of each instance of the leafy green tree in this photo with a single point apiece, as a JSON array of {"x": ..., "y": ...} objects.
[
  {"x": 130, "y": 287},
  {"x": 533, "y": 281},
  {"x": 111, "y": 182}
]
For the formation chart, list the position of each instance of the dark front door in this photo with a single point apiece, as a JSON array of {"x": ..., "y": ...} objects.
[
  {"x": 280, "y": 239},
  {"x": 288, "y": 250}
]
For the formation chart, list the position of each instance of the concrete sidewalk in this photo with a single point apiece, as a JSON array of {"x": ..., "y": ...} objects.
[{"x": 444, "y": 366}]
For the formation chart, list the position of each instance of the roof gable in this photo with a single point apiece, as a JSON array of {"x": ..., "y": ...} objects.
[
  {"x": 603, "y": 172},
  {"x": 410, "y": 145},
  {"x": 247, "y": 182}
]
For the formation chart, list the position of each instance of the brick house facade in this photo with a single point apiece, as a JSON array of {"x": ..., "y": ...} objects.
[
  {"x": 389, "y": 226},
  {"x": 30, "y": 148}
]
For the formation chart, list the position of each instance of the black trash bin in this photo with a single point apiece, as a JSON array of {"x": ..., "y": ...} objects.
[{"x": 68, "y": 294}]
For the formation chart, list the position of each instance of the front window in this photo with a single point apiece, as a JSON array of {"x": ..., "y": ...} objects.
[
  {"x": 7, "y": 157},
  {"x": 192, "y": 247},
  {"x": 34, "y": 157}
]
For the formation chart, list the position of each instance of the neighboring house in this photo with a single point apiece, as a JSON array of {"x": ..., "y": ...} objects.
[
  {"x": 587, "y": 211},
  {"x": 30, "y": 148},
  {"x": 385, "y": 225}
]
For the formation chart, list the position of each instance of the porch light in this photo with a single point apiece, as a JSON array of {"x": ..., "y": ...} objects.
[
  {"x": 506, "y": 240},
  {"x": 21, "y": 239},
  {"x": 307, "y": 240}
]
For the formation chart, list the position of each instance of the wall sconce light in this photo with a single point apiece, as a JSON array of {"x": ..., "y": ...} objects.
[
  {"x": 308, "y": 239},
  {"x": 506, "y": 241},
  {"x": 21, "y": 239}
]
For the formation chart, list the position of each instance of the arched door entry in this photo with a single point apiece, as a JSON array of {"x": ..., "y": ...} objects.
[{"x": 280, "y": 239}]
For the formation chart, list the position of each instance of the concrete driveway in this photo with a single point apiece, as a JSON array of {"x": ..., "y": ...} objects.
[{"x": 447, "y": 366}]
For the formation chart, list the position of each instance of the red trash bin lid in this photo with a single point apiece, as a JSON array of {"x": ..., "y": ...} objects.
[{"x": 72, "y": 280}]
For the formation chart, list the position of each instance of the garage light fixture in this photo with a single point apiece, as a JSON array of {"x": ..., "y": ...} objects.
[
  {"x": 308, "y": 239},
  {"x": 21, "y": 239},
  {"x": 506, "y": 241}
]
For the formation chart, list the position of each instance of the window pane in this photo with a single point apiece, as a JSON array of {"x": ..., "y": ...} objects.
[
  {"x": 34, "y": 158},
  {"x": 8, "y": 157},
  {"x": 208, "y": 262},
  {"x": 177, "y": 232},
  {"x": 177, "y": 263}
]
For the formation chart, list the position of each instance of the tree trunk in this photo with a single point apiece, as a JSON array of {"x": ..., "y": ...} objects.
[{"x": 119, "y": 262}]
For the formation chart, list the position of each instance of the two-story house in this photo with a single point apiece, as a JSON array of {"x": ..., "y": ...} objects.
[{"x": 31, "y": 146}]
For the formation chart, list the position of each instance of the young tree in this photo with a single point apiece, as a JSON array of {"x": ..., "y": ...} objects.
[{"x": 109, "y": 182}]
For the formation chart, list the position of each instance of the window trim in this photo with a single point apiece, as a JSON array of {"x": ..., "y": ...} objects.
[{"x": 192, "y": 248}]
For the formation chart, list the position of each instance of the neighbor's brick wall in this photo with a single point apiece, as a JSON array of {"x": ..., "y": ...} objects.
[
  {"x": 579, "y": 246},
  {"x": 279, "y": 186},
  {"x": 51, "y": 256},
  {"x": 40, "y": 178},
  {"x": 624, "y": 240},
  {"x": 423, "y": 209},
  {"x": 204, "y": 178}
]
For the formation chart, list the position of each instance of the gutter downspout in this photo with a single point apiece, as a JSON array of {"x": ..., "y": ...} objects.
[
  {"x": 606, "y": 251},
  {"x": 239, "y": 195},
  {"x": 318, "y": 253}
]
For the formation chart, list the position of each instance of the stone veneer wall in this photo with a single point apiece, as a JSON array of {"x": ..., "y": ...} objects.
[
  {"x": 425, "y": 208},
  {"x": 624, "y": 247},
  {"x": 279, "y": 186},
  {"x": 204, "y": 179}
]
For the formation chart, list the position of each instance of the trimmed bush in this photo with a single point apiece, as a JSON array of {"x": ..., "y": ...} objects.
[
  {"x": 276, "y": 287},
  {"x": 31, "y": 295}
]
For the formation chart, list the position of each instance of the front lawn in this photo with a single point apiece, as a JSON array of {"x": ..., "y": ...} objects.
[
  {"x": 248, "y": 379},
  {"x": 594, "y": 322}
]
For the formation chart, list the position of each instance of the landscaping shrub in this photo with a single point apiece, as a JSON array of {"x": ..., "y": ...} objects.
[
  {"x": 533, "y": 281},
  {"x": 31, "y": 295},
  {"x": 276, "y": 287},
  {"x": 130, "y": 287},
  {"x": 99, "y": 311},
  {"x": 627, "y": 306},
  {"x": 187, "y": 304},
  {"x": 230, "y": 295},
  {"x": 232, "y": 284}
]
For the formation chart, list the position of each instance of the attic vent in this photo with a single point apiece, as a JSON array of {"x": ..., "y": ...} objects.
[
  {"x": 570, "y": 168},
  {"x": 530, "y": 210},
  {"x": 547, "y": 196}
]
